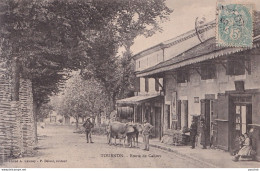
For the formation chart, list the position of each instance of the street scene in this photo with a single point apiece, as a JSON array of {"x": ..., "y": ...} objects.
[
  {"x": 129, "y": 84},
  {"x": 73, "y": 151},
  {"x": 60, "y": 147}
]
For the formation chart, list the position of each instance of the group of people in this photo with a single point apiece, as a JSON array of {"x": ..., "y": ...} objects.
[
  {"x": 147, "y": 127},
  {"x": 245, "y": 149}
]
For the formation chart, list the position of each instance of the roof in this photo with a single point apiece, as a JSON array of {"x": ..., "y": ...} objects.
[
  {"x": 204, "y": 51},
  {"x": 175, "y": 40},
  {"x": 137, "y": 99}
]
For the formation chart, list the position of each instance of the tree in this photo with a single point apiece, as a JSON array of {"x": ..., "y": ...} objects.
[
  {"x": 45, "y": 40},
  {"x": 44, "y": 111},
  {"x": 128, "y": 20},
  {"x": 81, "y": 98}
]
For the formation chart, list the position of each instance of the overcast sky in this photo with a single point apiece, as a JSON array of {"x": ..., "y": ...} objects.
[{"x": 181, "y": 20}]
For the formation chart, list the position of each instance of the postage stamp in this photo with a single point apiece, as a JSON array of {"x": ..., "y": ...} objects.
[{"x": 234, "y": 24}]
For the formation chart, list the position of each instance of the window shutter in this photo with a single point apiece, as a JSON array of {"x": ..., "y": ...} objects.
[
  {"x": 187, "y": 75},
  {"x": 230, "y": 67},
  {"x": 147, "y": 84},
  {"x": 137, "y": 84},
  {"x": 239, "y": 67},
  {"x": 156, "y": 85},
  {"x": 185, "y": 112},
  {"x": 179, "y": 114}
]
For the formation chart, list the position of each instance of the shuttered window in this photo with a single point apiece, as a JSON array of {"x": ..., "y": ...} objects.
[
  {"x": 208, "y": 71},
  {"x": 182, "y": 76},
  {"x": 137, "y": 84},
  {"x": 236, "y": 66},
  {"x": 156, "y": 85},
  {"x": 147, "y": 84}
]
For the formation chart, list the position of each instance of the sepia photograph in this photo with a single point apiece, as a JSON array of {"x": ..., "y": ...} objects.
[{"x": 129, "y": 84}]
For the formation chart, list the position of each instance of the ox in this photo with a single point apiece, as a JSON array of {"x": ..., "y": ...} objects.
[
  {"x": 118, "y": 130},
  {"x": 133, "y": 136}
]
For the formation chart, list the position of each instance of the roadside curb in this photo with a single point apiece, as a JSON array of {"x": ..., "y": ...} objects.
[{"x": 184, "y": 155}]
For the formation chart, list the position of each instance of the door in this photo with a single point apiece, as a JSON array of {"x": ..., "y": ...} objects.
[
  {"x": 242, "y": 117},
  {"x": 205, "y": 113},
  {"x": 157, "y": 126},
  {"x": 184, "y": 114},
  {"x": 222, "y": 105},
  {"x": 178, "y": 114}
]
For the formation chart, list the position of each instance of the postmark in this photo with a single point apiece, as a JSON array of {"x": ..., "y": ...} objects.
[{"x": 234, "y": 24}]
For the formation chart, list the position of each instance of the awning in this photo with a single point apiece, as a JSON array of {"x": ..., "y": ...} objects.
[
  {"x": 205, "y": 51},
  {"x": 135, "y": 100}
]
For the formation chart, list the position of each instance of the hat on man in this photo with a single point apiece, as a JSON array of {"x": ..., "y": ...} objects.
[{"x": 88, "y": 118}]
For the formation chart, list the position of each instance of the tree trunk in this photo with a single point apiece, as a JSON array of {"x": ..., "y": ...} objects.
[
  {"x": 15, "y": 79},
  {"x": 99, "y": 118},
  {"x": 77, "y": 122},
  {"x": 35, "y": 112}
]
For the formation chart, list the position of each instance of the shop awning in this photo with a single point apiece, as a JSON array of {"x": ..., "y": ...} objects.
[{"x": 137, "y": 99}]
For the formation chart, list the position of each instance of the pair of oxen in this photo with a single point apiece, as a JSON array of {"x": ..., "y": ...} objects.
[{"x": 124, "y": 131}]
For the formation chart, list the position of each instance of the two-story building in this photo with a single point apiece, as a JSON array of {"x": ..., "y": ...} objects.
[
  {"x": 146, "y": 105},
  {"x": 201, "y": 80}
]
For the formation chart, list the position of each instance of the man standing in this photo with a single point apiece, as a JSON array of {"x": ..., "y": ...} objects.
[
  {"x": 203, "y": 133},
  {"x": 146, "y": 133},
  {"x": 193, "y": 133},
  {"x": 88, "y": 126}
]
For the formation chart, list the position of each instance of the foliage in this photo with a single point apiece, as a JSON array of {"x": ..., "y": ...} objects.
[
  {"x": 81, "y": 98},
  {"x": 128, "y": 20},
  {"x": 50, "y": 38},
  {"x": 44, "y": 111}
]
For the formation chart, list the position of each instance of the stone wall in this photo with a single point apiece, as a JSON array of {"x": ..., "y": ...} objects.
[{"x": 16, "y": 119}]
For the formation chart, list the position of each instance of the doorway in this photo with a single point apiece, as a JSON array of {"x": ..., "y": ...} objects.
[
  {"x": 157, "y": 125},
  {"x": 241, "y": 117},
  {"x": 206, "y": 111}
]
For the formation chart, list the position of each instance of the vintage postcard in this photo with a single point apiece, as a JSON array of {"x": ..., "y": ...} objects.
[{"x": 129, "y": 84}]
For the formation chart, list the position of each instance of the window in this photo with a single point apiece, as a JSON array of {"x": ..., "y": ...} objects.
[
  {"x": 147, "y": 84},
  {"x": 236, "y": 66},
  {"x": 182, "y": 76},
  {"x": 208, "y": 71}
]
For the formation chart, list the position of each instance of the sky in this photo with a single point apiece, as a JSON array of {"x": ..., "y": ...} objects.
[{"x": 181, "y": 20}]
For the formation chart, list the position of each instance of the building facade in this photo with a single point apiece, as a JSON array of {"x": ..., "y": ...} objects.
[{"x": 204, "y": 81}]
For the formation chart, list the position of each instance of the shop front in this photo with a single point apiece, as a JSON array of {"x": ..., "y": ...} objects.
[
  {"x": 139, "y": 108},
  {"x": 237, "y": 113}
]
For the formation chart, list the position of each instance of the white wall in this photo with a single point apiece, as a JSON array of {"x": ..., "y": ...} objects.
[
  {"x": 149, "y": 60},
  {"x": 151, "y": 82},
  {"x": 198, "y": 88}
]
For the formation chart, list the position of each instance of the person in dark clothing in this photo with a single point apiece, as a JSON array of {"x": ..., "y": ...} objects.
[
  {"x": 203, "y": 133},
  {"x": 193, "y": 133},
  {"x": 88, "y": 126},
  {"x": 147, "y": 127}
]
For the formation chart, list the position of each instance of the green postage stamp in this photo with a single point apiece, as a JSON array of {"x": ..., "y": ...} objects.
[{"x": 234, "y": 24}]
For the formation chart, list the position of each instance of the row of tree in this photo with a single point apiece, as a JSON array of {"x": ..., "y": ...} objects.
[{"x": 44, "y": 40}]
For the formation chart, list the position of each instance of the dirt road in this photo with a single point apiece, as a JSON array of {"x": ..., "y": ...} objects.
[{"x": 59, "y": 147}]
